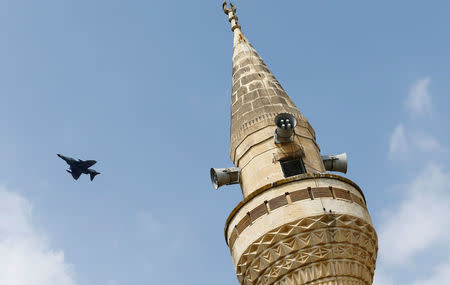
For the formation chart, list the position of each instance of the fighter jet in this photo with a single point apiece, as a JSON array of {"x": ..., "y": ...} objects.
[{"x": 77, "y": 167}]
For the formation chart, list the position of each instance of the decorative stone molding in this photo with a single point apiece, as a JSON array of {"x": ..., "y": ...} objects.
[
  {"x": 338, "y": 193},
  {"x": 282, "y": 200},
  {"x": 309, "y": 249},
  {"x": 316, "y": 272}
]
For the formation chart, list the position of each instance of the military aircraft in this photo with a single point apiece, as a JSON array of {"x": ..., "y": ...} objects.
[{"x": 77, "y": 167}]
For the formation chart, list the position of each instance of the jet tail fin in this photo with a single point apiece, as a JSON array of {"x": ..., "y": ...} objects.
[{"x": 93, "y": 174}]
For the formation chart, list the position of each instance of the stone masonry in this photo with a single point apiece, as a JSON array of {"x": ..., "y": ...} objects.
[
  {"x": 257, "y": 97},
  {"x": 309, "y": 228}
]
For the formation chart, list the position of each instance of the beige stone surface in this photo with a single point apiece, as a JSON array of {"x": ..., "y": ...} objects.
[
  {"x": 309, "y": 250},
  {"x": 294, "y": 211}
]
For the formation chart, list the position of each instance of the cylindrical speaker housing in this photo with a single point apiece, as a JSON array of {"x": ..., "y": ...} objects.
[
  {"x": 286, "y": 124},
  {"x": 224, "y": 176},
  {"x": 335, "y": 162}
]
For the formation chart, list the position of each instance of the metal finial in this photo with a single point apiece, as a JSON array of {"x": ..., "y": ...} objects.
[
  {"x": 227, "y": 9},
  {"x": 231, "y": 13}
]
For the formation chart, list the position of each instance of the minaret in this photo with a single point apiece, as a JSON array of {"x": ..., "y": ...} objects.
[{"x": 297, "y": 223}]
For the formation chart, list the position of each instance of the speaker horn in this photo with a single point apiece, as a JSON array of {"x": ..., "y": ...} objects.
[
  {"x": 284, "y": 132},
  {"x": 335, "y": 162},
  {"x": 225, "y": 176}
]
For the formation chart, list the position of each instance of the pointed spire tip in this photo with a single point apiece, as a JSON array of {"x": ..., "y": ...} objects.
[{"x": 232, "y": 17}]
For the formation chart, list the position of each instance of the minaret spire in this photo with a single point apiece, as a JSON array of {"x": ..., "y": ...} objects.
[{"x": 257, "y": 98}]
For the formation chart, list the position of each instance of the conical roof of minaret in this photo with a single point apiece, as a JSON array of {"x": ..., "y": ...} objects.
[{"x": 257, "y": 96}]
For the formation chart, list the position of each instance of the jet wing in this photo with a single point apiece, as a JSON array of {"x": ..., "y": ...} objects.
[
  {"x": 75, "y": 174},
  {"x": 66, "y": 159},
  {"x": 87, "y": 163}
]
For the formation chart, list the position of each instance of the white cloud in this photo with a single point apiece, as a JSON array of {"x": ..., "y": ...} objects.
[
  {"x": 421, "y": 220},
  {"x": 416, "y": 229},
  {"x": 441, "y": 276},
  {"x": 25, "y": 257},
  {"x": 419, "y": 98},
  {"x": 381, "y": 278},
  {"x": 398, "y": 143},
  {"x": 402, "y": 143},
  {"x": 426, "y": 143}
]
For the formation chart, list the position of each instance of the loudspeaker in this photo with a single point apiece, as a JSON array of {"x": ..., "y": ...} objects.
[
  {"x": 224, "y": 176},
  {"x": 335, "y": 162},
  {"x": 285, "y": 128}
]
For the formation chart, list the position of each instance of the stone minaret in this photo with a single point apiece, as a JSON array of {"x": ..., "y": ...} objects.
[{"x": 297, "y": 224}]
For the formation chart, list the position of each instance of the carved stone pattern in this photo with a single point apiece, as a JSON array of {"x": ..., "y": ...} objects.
[
  {"x": 308, "y": 246},
  {"x": 281, "y": 200},
  {"x": 322, "y": 255},
  {"x": 338, "y": 193},
  {"x": 305, "y": 274}
]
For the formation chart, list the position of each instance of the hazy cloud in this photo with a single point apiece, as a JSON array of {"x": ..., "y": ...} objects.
[
  {"x": 402, "y": 142},
  {"x": 418, "y": 223},
  {"x": 426, "y": 143},
  {"x": 419, "y": 98},
  {"x": 25, "y": 257},
  {"x": 398, "y": 143},
  {"x": 421, "y": 220},
  {"x": 381, "y": 278}
]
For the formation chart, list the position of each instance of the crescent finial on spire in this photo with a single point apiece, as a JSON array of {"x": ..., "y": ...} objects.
[
  {"x": 227, "y": 9},
  {"x": 232, "y": 17}
]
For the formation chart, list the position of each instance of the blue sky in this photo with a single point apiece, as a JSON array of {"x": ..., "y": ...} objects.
[{"x": 144, "y": 88}]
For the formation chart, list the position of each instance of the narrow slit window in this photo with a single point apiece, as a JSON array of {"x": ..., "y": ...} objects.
[{"x": 293, "y": 167}]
